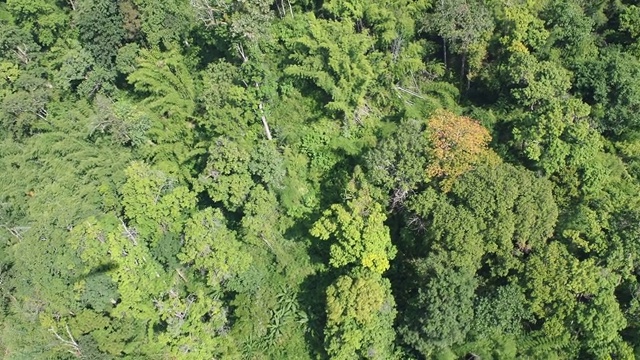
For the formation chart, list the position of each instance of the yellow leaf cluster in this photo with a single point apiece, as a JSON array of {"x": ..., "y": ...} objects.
[{"x": 458, "y": 143}]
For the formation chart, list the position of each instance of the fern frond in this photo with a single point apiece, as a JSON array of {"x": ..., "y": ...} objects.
[{"x": 166, "y": 80}]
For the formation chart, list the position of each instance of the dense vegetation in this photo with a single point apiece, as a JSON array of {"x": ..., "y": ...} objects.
[{"x": 308, "y": 179}]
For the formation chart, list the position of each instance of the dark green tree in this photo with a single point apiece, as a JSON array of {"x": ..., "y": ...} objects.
[{"x": 101, "y": 31}]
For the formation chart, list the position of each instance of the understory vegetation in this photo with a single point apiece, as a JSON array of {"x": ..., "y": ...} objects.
[{"x": 309, "y": 179}]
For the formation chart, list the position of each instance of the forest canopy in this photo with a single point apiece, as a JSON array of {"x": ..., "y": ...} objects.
[{"x": 319, "y": 179}]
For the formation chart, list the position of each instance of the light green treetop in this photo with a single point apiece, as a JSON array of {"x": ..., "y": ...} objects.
[
  {"x": 358, "y": 229},
  {"x": 360, "y": 314}
]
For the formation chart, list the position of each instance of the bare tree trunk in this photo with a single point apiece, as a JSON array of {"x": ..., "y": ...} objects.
[
  {"x": 409, "y": 92},
  {"x": 208, "y": 14},
  {"x": 181, "y": 275},
  {"x": 22, "y": 54},
  {"x": 131, "y": 234},
  {"x": 264, "y": 123},
  {"x": 240, "y": 49},
  {"x": 462, "y": 67},
  {"x": 16, "y": 231},
  {"x": 263, "y": 117},
  {"x": 444, "y": 46},
  {"x": 283, "y": 11}
]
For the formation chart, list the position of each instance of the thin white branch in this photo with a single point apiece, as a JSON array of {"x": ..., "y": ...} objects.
[
  {"x": 242, "y": 53},
  {"x": 290, "y": 8},
  {"x": 22, "y": 54},
  {"x": 181, "y": 275},
  {"x": 409, "y": 92},
  {"x": 74, "y": 347},
  {"x": 16, "y": 231},
  {"x": 131, "y": 234}
]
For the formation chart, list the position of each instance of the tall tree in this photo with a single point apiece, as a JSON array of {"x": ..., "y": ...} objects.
[
  {"x": 605, "y": 82},
  {"x": 101, "y": 29},
  {"x": 464, "y": 26},
  {"x": 44, "y": 19},
  {"x": 165, "y": 23},
  {"x": 169, "y": 92},
  {"x": 333, "y": 56},
  {"x": 360, "y": 314},
  {"x": 551, "y": 126},
  {"x": 458, "y": 144},
  {"x": 516, "y": 211},
  {"x": 357, "y": 229}
]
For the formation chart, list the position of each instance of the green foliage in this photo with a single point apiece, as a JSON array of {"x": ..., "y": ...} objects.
[
  {"x": 360, "y": 314},
  {"x": 500, "y": 313},
  {"x": 126, "y": 123},
  {"x": 571, "y": 31},
  {"x": 155, "y": 203},
  {"x": 169, "y": 96},
  {"x": 51, "y": 187},
  {"x": 552, "y": 128},
  {"x": 607, "y": 82},
  {"x": 388, "y": 20},
  {"x": 358, "y": 229},
  {"x": 239, "y": 22},
  {"x": 521, "y": 31},
  {"x": 212, "y": 248},
  {"x": 465, "y": 27},
  {"x": 231, "y": 179},
  {"x": 163, "y": 23},
  {"x": 71, "y": 64},
  {"x": 226, "y": 177},
  {"x": 24, "y": 106},
  {"x": 453, "y": 236},
  {"x": 399, "y": 163},
  {"x": 441, "y": 313},
  {"x": 166, "y": 79},
  {"x": 446, "y": 256},
  {"x": 583, "y": 303},
  {"x": 100, "y": 27},
  {"x": 515, "y": 210},
  {"x": 235, "y": 100},
  {"x": 126, "y": 58},
  {"x": 333, "y": 56},
  {"x": 44, "y": 19}
]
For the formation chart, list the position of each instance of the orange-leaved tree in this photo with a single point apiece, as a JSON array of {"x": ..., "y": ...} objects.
[{"x": 458, "y": 143}]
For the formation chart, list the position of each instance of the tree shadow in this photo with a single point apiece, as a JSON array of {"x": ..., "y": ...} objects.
[
  {"x": 312, "y": 292},
  {"x": 98, "y": 270},
  {"x": 312, "y": 300}
]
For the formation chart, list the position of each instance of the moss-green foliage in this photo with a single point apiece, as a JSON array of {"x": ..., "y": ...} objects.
[
  {"x": 333, "y": 56},
  {"x": 338, "y": 179},
  {"x": 515, "y": 210}
]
